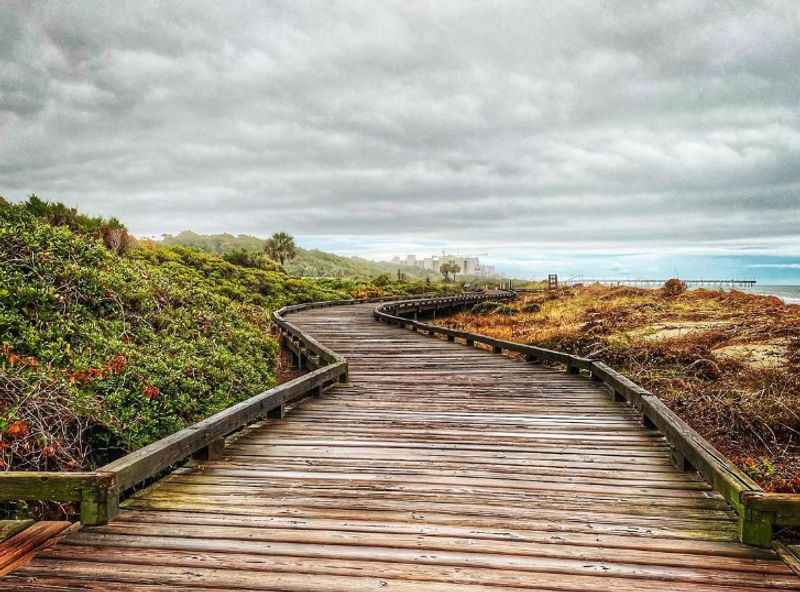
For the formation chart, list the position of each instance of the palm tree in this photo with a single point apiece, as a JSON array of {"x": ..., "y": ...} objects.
[
  {"x": 447, "y": 268},
  {"x": 280, "y": 247}
]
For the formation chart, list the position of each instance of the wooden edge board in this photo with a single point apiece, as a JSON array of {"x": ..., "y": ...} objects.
[
  {"x": 744, "y": 494},
  {"x": 789, "y": 555},
  {"x": 8, "y": 528},
  {"x": 20, "y": 549}
]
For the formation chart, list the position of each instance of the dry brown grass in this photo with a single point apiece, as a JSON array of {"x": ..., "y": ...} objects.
[{"x": 750, "y": 411}]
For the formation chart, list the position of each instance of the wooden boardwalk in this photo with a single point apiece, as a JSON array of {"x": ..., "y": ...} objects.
[{"x": 437, "y": 468}]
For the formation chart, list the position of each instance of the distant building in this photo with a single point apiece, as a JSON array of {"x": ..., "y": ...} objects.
[
  {"x": 430, "y": 263},
  {"x": 469, "y": 265}
]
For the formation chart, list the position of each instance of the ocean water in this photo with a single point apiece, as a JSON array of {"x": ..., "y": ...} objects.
[{"x": 789, "y": 294}]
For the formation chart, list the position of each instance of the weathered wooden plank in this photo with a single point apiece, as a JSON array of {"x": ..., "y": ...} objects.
[
  {"x": 21, "y": 548},
  {"x": 256, "y": 469},
  {"x": 472, "y": 516},
  {"x": 472, "y": 567},
  {"x": 721, "y": 473},
  {"x": 547, "y": 533},
  {"x": 229, "y": 538},
  {"x": 276, "y": 572}
]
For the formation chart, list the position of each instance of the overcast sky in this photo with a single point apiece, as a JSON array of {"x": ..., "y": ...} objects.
[{"x": 593, "y": 137}]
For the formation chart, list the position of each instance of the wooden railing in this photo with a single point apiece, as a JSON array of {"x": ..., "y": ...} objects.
[
  {"x": 759, "y": 512},
  {"x": 98, "y": 492}
]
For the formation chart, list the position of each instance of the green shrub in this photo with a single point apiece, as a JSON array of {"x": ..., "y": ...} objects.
[
  {"x": 491, "y": 307},
  {"x": 251, "y": 259},
  {"x": 127, "y": 349},
  {"x": 382, "y": 280},
  {"x": 487, "y": 307}
]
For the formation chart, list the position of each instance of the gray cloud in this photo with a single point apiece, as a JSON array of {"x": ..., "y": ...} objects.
[{"x": 524, "y": 123}]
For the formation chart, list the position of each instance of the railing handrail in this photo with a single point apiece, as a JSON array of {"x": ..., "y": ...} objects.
[{"x": 758, "y": 510}]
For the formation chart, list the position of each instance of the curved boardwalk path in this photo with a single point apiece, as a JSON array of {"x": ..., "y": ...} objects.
[{"x": 438, "y": 468}]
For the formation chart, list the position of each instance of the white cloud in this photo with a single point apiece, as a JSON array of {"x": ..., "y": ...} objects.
[{"x": 519, "y": 126}]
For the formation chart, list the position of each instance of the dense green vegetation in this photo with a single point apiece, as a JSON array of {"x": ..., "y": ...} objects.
[
  {"x": 108, "y": 343},
  {"x": 306, "y": 262},
  {"x": 215, "y": 243}
]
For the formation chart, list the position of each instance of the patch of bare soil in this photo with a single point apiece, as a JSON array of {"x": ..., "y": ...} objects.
[
  {"x": 675, "y": 329},
  {"x": 756, "y": 355},
  {"x": 284, "y": 370}
]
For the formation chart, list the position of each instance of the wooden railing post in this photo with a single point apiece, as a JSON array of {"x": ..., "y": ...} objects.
[
  {"x": 757, "y": 518},
  {"x": 755, "y": 527},
  {"x": 679, "y": 459},
  {"x": 278, "y": 413},
  {"x": 214, "y": 451},
  {"x": 100, "y": 500}
]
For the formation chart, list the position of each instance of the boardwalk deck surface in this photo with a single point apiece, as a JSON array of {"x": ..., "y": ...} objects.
[{"x": 438, "y": 468}]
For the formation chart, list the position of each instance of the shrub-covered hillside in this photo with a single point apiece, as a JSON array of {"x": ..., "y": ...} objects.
[
  {"x": 109, "y": 343},
  {"x": 307, "y": 262}
]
